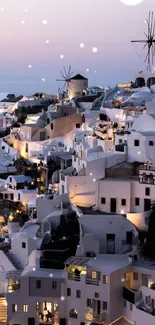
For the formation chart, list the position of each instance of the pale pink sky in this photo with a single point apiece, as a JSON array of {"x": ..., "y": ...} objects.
[{"x": 106, "y": 24}]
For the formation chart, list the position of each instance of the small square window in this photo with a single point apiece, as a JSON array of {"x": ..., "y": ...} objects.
[
  {"x": 68, "y": 292},
  {"x": 23, "y": 245},
  {"x": 105, "y": 279},
  {"x": 77, "y": 125},
  {"x": 54, "y": 285},
  {"x": 136, "y": 143},
  {"x": 105, "y": 305},
  {"x": 151, "y": 143},
  {"x": 38, "y": 284},
  {"x": 147, "y": 191},
  {"x": 135, "y": 276},
  {"x": 125, "y": 303},
  {"x": 89, "y": 302},
  {"x": 78, "y": 294},
  {"x": 103, "y": 200},
  {"x": 93, "y": 274},
  {"x": 137, "y": 201},
  {"x": 97, "y": 295},
  {"x": 123, "y": 202}
]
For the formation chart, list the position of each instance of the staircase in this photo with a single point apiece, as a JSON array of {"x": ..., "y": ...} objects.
[
  {"x": 12, "y": 260},
  {"x": 3, "y": 310}
]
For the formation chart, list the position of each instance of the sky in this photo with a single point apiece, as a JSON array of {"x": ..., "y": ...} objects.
[{"x": 34, "y": 33}]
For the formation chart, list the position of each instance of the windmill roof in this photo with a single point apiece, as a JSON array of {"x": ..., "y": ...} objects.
[{"x": 78, "y": 77}]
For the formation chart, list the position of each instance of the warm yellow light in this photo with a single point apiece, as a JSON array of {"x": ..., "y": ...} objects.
[{"x": 10, "y": 217}]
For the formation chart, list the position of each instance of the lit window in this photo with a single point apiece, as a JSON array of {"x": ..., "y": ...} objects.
[
  {"x": 14, "y": 308},
  {"x": 47, "y": 306},
  {"x": 105, "y": 279},
  {"x": 55, "y": 306},
  {"x": 25, "y": 308},
  {"x": 93, "y": 274},
  {"x": 38, "y": 306}
]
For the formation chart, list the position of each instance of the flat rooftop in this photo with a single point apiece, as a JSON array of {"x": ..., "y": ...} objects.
[
  {"x": 43, "y": 273},
  {"x": 145, "y": 264},
  {"x": 90, "y": 211},
  {"x": 109, "y": 263}
]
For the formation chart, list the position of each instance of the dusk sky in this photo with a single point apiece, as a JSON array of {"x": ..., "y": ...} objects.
[{"x": 107, "y": 25}]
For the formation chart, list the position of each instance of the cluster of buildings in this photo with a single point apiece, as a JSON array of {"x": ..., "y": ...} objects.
[{"x": 77, "y": 260}]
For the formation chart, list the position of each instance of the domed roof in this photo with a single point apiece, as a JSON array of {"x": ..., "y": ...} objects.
[
  {"x": 97, "y": 225},
  {"x": 144, "y": 123}
]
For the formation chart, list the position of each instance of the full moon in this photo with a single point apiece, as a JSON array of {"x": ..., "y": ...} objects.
[{"x": 131, "y": 2}]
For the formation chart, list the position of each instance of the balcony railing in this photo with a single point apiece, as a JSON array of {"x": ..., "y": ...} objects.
[
  {"x": 48, "y": 318},
  {"x": 97, "y": 318},
  {"x": 147, "y": 167},
  {"x": 146, "y": 308},
  {"x": 74, "y": 277},
  {"x": 92, "y": 281}
]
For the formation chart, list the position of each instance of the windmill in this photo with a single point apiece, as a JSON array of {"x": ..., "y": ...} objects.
[
  {"x": 66, "y": 79},
  {"x": 149, "y": 42}
]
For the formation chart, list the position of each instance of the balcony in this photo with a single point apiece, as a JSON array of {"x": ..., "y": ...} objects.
[
  {"x": 94, "y": 317},
  {"x": 48, "y": 318},
  {"x": 15, "y": 287},
  {"x": 101, "y": 318},
  {"x": 133, "y": 296},
  {"x": 74, "y": 277},
  {"x": 148, "y": 167},
  {"x": 147, "y": 308},
  {"x": 92, "y": 282}
]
